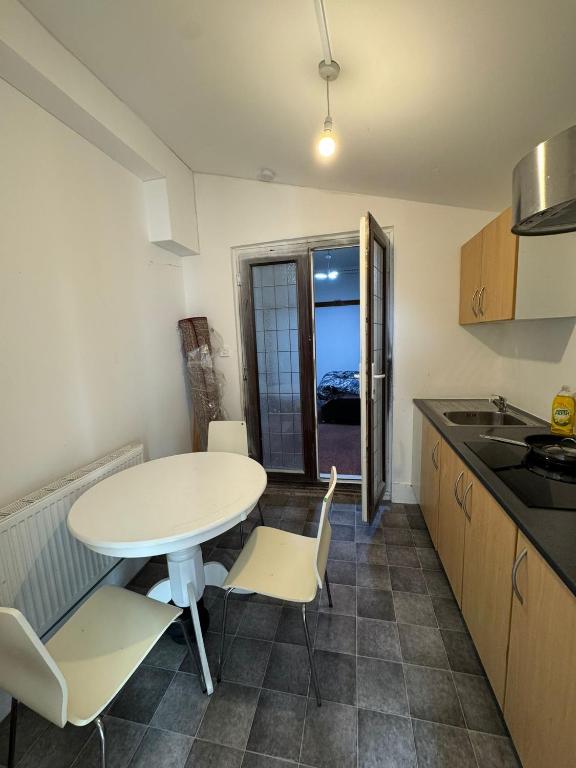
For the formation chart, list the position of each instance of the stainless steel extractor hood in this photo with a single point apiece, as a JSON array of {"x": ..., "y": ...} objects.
[{"x": 544, "y": 188}]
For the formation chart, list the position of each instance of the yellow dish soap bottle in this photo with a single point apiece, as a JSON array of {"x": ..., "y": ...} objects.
[{"x": 563, "y": 407}]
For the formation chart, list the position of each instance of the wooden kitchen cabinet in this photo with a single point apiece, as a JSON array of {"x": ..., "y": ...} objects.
[
  {"x": 454, "y": 487},
  {"x": 488, "y": 272},
  {"x": 430, "y": 478},
  {"x": 540, "y": 699},
  {"x": 490, "y": 549}
]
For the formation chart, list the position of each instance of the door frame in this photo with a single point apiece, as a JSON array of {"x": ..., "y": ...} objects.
[{"x": 282, "y": 250}]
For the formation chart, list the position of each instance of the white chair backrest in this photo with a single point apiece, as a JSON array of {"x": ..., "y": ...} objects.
[
  {"x": 325, "y": 530},
  {"x": 228, "y": 437},
  {"x": 28, "y": 672}
]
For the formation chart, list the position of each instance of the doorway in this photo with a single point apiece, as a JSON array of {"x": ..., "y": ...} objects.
[
  {"x": 316, "y": 392},
  {"x": 336, "y": 290}
]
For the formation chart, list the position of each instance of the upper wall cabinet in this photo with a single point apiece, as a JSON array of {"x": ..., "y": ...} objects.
[{"x": 506, "y": 277}]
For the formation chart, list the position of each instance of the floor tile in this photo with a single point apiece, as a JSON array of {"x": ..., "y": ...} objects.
[
  {"x": 368, "y": 534},
  {"x": 400, "y": 537},
  {"x": 432, "y": 695},
  {"x": 447, "y": 613},
  {"x": 288, "y": 669},
  {"x": 278, "y": 725},
  {"x": 340, "y": 572},
  {"x": 343, "y": 532},
  {"x": 493, "y": 751},
  {"x": 422, "y": 645},
  {"x": 141, "y": 696},
  {"x": 481, "y": 711},
  {"x": 336, "y": 674},
  {"x": 259, "y": 621},
  {"x": 30, "y": 728},
  {"x": 437, "y": 583},
  {"x": 385, "y": 741},
  {"x": 381, "y": 686},
  {"x": 290, "y": 628},
  {"x": 422, "y": 539},
  {"x": 344, "y": 514},
  {"x": 122, "y": 740},
  {"x": 461, "y": 652},
  {"x": 229, "y": 715},
  {"x": 375, "y": 604},
  {"x": 246, "y": 661},
  {"x": 162, "y": 749},
  {"x": 416, "y": 521},
  {"x": 343, "y": 600},
  {"x": 151, "y": 574},
  {"x": 235, "y": 612},
  {"x": 336, "y": 633},
  {"x": 329, "y": 736},
  {"x": 372, "y": 575},
  {"x": 166, "y": 654},
  {"x": 56, "y": 747},
  {"x": 342, "y": 550},
  {"x": 428, "y": 558},
  {"x": 206, "y": 755},
  {"x": 394, "y": 520},
  {"x": 182, "y": 707},
  {"x": 407, "y": 579},
  {"x": 371, "y": 553},
  {"x": 402, "y": 556},
  {"x": 212, "y": 642},
  {"x": 442, "y": 746},
  {"x": 378, "y": 639},
  {"x": 252, "y": 760},
  {"x": 414, "y": 609}
]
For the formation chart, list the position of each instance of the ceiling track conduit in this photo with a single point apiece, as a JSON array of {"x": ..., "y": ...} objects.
[{"x": 323, "y": 27}]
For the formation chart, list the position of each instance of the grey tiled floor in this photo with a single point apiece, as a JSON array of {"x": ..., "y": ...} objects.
[{"x": 401, "y": 683}]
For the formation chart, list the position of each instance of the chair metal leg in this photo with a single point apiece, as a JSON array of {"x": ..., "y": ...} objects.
[
  {"x": 311, "y": 656},
  {"x": 102, "y": 735},
  {"x": 330, "y": 603},
  {"x": 221, "y": 654},
  {"x": 193, "y": 656},
  {"x": 241, "y": 534},
  {"x": 261, "y": 515},
  {"x": 12, "y": 742}
]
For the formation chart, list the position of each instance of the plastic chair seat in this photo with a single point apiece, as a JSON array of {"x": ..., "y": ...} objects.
[
  {"x": 276, "y": 564},
  {"x": 99, "y": 648}
]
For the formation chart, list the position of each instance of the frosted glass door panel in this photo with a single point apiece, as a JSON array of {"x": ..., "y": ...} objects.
[{"x": 275, "y": 299}]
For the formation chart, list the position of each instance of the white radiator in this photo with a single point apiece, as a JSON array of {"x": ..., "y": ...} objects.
[{"x": 44, "y": 571}]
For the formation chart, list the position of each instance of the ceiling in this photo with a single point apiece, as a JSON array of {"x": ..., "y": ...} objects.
[{"x": 436, "y": 101}]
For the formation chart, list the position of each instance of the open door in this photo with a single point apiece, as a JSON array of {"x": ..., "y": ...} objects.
[{"x": 375, "y": 362}]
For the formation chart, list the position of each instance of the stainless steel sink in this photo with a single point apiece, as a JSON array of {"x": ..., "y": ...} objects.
[{"x": 483, "y": 418}]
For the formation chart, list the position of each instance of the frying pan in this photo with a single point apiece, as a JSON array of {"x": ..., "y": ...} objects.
[{"x": 546, "y": 450}]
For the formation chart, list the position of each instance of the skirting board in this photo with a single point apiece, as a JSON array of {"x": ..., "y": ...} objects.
[
  {"x": 403, "y": 493},
  {"x": 122, "y": 574}
]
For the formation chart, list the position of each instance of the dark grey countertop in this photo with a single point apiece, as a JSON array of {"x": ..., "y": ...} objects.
[{"x": 551, "y": 531}]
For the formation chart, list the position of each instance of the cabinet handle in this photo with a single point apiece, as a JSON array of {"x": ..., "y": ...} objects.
[
  {"x": 481, "y": 300},
  {"x": 458, "y": 499},
  {"x": 474, "y": 297},
  {"x": 515, "y": 567},
  {"x": 464, "y": 505},
  {"x": 435, "y": 454}
]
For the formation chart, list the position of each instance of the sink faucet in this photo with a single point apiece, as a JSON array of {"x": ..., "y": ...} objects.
[{"x": 500, "y": 402}]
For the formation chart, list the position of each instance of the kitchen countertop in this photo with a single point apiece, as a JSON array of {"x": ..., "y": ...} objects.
[{"x": 551, "y": 531}]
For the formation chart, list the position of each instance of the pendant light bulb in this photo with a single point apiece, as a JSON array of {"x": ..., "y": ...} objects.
[{"x": 327, "y": 143}]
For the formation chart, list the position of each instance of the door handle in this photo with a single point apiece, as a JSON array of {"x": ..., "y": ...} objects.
[
  {"x": 474, "y": 297},
  {"x": 464, "y": 504},
  {"x": 378, "y": 375},
  {"x": 435, "y": 455},
  {"x": 515, "y": 567},
  {"x": 458, "y": 499},
  {"x": 481, "y": 300}
]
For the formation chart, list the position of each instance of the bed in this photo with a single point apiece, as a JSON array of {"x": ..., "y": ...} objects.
[{"x": 338, "y": 396}]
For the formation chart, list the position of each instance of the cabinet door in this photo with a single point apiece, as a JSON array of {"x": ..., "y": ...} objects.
[
  {"x": 490, "y": 549},
  {"x": 540, "y": 703},
  {"x": 470, "y": 279},
  {"x": 451, "y": 520},
  {"x": 430, "y": 478},
  {"x": 499, "y": 265}
]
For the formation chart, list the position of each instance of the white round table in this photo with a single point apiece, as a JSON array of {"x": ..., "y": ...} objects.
[{"x": 170, "y": 506}]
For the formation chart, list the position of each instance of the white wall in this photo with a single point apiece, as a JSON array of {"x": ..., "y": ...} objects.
[
  {"x": 434, "y": 356},
  {"x": 89, "y": 351}
]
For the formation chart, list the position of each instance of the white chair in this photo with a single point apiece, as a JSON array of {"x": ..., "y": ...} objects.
[
  {"x": 84, "y": 665},
  {"x": 230, "y": 437},
  {"x": 285, "y": 566}
]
